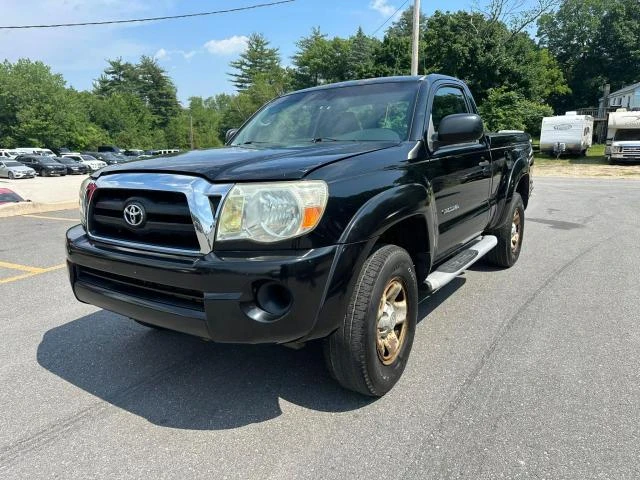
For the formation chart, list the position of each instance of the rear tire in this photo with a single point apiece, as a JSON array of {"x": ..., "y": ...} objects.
[
  {"x": 43, "y": 173},
  {"x": 510, "y": 236},
  {"x": 370, "y": 349}
]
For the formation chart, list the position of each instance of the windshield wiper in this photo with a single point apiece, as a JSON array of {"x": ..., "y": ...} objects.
[
  {"x": 251, "y": 142},
  {"x": 324, "y": 139}
]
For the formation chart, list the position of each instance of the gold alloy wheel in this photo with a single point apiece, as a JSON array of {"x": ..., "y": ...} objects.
[
  {"x": 516, "y": 227},
  {"x": 392, "y": 321}
]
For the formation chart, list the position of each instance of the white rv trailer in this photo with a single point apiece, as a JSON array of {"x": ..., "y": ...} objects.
[
  {"x": 569, "y": 133},
  {"x": 623, "y": 136}
]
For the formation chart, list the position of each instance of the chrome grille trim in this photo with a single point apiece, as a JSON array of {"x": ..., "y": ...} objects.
[{"x": 197, "y": 191}]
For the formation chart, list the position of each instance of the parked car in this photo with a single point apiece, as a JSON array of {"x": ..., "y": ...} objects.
[
  {"x": 9, "y": 196},
  {"x": 134, "y": 152},
  {"x": 74, "y": 167},
  {"x": 12, "y": 169},
  {"x": 108, "y": 157},
  {"x": 45, "y": 166},
  {"x": 109, "y": 148},
  {"x": 393, "y": 183},
  {"x": 8, "y": 154},
  {"x": 88, "y": 160}
]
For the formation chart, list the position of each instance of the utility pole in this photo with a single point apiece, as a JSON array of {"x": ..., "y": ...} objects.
[
  {"x": 191, "y": 129},
  {"x": 415, "y": 44}
]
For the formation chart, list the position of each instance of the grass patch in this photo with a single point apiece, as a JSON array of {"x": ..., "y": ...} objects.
[
  {"x": 595, "y": 156},
  {"x": 594, "y": 164}
]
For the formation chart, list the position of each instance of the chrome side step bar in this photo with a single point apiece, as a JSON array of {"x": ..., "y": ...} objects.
[{"x": 458, "y": 264}]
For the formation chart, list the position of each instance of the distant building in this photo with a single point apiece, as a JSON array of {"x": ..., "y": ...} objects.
[{"x": 627, "y": 97}]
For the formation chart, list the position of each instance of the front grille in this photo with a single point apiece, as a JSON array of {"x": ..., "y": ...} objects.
[
  {"x": 150, "y": 291},
  {"x": 631, "y": 151},
  {"x": 168, "y": 219}
]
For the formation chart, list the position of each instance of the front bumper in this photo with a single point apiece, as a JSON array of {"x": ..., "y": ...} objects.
[
  {"x": 23, "y": 174},
  {"x": 212, "y": 296},
  {"x": 618, "y": 157}
]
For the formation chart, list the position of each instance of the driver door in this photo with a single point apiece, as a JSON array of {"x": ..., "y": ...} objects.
[{"x": 460, "y": 175}]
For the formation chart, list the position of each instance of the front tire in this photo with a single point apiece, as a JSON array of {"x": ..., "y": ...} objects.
[
  {"x": 370, "y": 349},
  {"x": 510, "y": 236},
  {"x": 43, "y": 173},
  {"x": 11, "y": 176}
]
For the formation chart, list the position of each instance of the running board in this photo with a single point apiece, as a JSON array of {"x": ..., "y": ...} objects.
[{"x": 458, "y": 264}]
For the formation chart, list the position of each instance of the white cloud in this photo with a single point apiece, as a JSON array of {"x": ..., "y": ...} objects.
[
  {"x": 165, "y": 55},
  {"x": 161, "y": 54},
  {"x": 227, "y": 46},
  {"x": 382, "y": 7}
]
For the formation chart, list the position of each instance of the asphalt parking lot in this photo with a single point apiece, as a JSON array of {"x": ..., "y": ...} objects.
[{"x": 530, "y": 372}]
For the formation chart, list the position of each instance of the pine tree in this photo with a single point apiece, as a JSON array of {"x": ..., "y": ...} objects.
[{"x": 258, "y": 59}]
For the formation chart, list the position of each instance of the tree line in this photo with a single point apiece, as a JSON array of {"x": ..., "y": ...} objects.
[{"x": 516, "y": 77}]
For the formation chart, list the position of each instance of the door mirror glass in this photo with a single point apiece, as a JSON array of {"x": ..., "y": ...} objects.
[
  {"x": 230, "y": 134},
  {"x": 460, "y": 128}
]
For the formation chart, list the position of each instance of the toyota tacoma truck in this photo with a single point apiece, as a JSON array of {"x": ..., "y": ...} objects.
[{"x": 320, "y": 219}]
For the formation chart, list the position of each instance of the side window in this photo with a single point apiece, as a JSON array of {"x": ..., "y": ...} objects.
[{"x": 447, "y": 101}]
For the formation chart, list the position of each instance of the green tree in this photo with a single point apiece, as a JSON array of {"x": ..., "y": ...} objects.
[
  {"x": 118, "y": 77},
  {"x": 258, "y": 59},
  {"x": 311, "y": 59},
  {"x": 36, "y": 108},
  {"x": 595, "y": 42},
  {"x": 146, "y": 80},
  {"x": 361, "y": 56},
  {"x": 509, "y": 110},
  {"x": 486, "y": 54}
]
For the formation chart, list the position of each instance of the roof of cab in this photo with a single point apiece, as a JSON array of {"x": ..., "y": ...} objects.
[{"x": 370, "y": 81}]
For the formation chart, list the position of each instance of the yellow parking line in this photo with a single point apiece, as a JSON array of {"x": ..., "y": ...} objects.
[
  {"x": 17, "y": 277},
  {"x": 30, "y": 271},
  {"x": 76, "y": 220},
  {"x": 24, "y": 268}
]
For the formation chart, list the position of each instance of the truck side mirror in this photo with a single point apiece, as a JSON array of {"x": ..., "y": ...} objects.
[
  {"x": 460, "y": 128},
  {"x": 230, "y": 134}
]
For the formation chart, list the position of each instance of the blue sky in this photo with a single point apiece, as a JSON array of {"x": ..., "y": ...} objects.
[{"x": 196, "y": 51}]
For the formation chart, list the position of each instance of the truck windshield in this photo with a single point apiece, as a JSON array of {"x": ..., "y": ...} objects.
[
  {"x": 627, "y": 135},
  {"x": 376, "y": 112}
]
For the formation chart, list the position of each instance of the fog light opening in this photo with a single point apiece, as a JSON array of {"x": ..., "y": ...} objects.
[{"x": 274, "y": 298}]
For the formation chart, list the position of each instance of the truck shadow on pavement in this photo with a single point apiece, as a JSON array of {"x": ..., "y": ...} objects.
[{"x": 178, "y": 381}]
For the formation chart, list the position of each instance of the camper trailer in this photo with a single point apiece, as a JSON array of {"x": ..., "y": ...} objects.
[
  {"x": 569, "y": 133},
  {"x": 623, "y": 136}
]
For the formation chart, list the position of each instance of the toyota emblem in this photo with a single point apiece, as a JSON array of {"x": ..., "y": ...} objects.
[{"x": 134, "y": 214}]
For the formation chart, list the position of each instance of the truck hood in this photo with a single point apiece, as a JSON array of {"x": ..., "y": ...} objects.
[{"x": 233, "y": 164}]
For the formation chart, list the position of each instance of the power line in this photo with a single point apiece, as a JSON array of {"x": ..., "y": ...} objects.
[
  {"x": 151, "y": 19},
  {"x": 387, "y": 20}
]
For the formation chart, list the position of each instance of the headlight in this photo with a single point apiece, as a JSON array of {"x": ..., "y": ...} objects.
[
  {"x": 616, "y": 149},
  {"x": 87, "y": 187},
  {"x": 271, "y": 212}
]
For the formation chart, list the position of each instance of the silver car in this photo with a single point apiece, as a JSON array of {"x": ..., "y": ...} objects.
[{"x": 12, "y": 169}]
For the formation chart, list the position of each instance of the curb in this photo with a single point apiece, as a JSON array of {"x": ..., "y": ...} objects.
[{"x": 25, "y": 208}]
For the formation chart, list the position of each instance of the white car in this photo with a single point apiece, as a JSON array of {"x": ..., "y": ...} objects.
[
  {"x": 92, "y": 162},
  {"x": 8, "y": 154},
  {"x": 12, "y": 169}
]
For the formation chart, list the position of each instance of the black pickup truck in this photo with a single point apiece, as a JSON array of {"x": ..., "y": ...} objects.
[{"x": 320, "y": 219}]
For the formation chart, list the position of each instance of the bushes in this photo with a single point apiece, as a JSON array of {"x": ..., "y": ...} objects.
[{"x": 508, "y": 110}]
